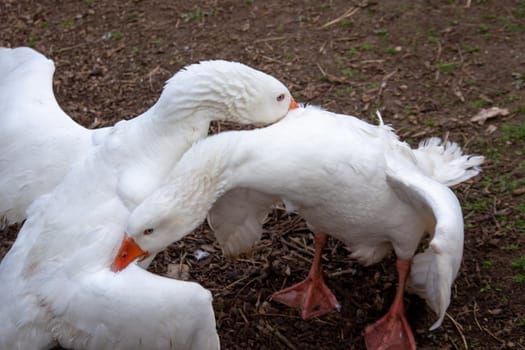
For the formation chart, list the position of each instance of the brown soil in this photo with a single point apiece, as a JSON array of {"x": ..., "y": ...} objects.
[{"x": 429, "y": 66}]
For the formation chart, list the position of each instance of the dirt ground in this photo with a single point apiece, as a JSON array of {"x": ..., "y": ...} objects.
[{"x": 429, "y": 66}]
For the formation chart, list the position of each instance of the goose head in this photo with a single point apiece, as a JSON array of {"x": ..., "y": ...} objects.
[
  {"x": 224, "y": 90},
  {"x": 157, "y": 222}
]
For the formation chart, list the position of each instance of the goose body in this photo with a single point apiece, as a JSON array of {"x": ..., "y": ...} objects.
[
  {"x": 39, "y": 143},
  {"x": 60, "y": 288},
  {"x": 61, "y": 285},
  {"x": 346, "y": 177}
]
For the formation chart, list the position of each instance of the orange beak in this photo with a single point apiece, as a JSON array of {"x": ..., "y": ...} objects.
[
  {"x": 293, "y": 104},
  {"x": 129, "y": 251}
]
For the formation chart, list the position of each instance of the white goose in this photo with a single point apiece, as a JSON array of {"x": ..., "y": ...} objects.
[
  {"x": 348, "y": 178},
  {"x": 39, "y": 142},
  {"x": 61, "y": 288}
]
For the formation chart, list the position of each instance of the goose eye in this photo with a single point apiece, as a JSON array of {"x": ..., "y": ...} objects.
[
  {"x": 148, "y": 231},
  {"x": 280, "y": 98}
]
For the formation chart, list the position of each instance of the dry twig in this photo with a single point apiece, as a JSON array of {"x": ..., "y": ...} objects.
[
  {"x": 281, "y": 337},
  {"x": 485, "y": 329},
  {"x": 459, "y": 329},
  {"x": 349, "y": 13}
]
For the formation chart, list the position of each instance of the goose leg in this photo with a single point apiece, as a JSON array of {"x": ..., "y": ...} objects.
[
  {"x": 311, "y": 296},
  {"x": 392, "y": 331}
]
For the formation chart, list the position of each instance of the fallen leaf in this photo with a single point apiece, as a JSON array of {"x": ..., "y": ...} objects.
[
  {"x": 495, "y": 311},
  {"x": 518, "y": 191},
  {"x": 488, "y": 113}
]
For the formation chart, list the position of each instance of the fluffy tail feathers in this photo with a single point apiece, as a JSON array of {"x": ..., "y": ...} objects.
[{"x": 445, "y": 161}]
